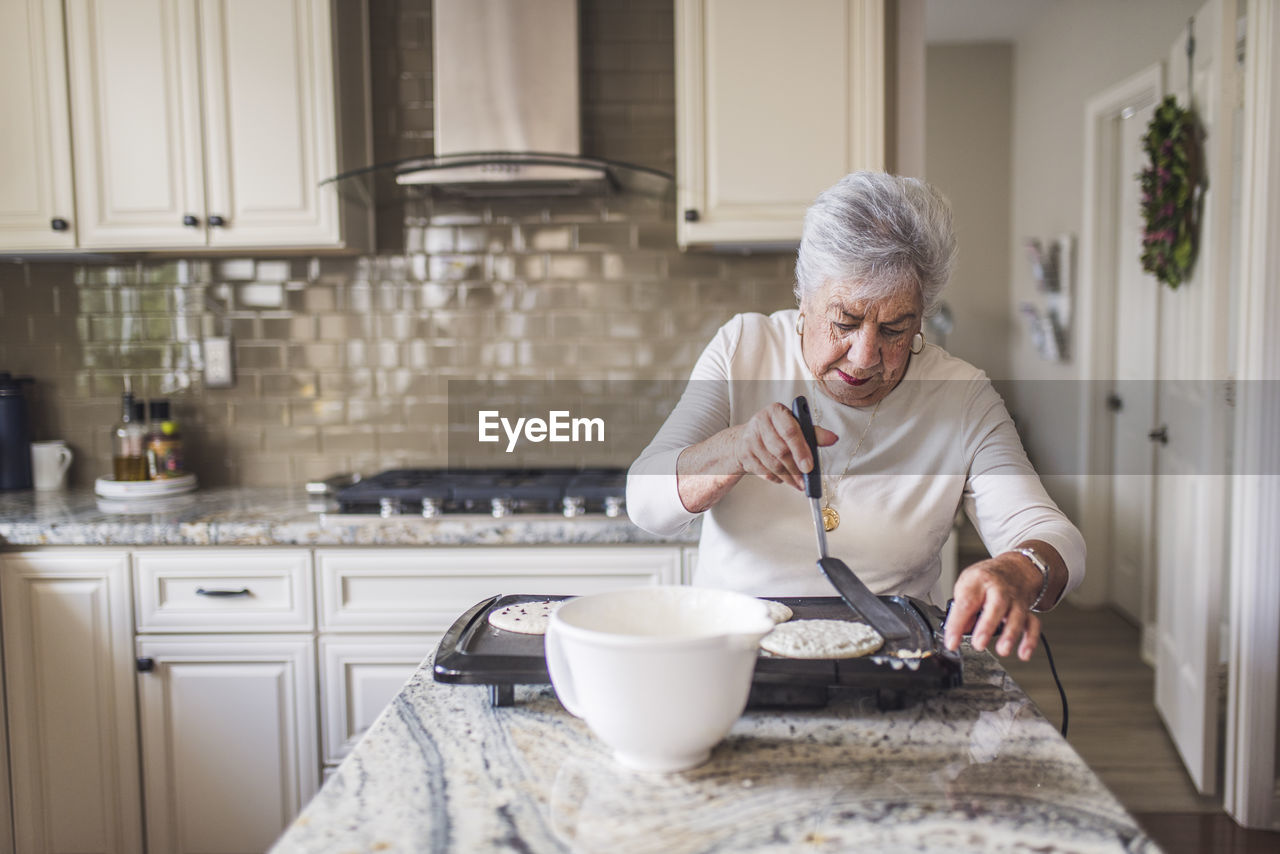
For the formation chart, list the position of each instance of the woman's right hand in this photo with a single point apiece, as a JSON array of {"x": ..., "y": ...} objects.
[{"x": 772, "y": 446}]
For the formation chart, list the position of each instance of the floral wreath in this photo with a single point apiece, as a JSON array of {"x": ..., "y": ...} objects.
[{"x": 1173, "y": 186}]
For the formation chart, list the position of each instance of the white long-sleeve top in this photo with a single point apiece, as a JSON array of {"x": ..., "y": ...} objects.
[{"x": 941, "y": 440}]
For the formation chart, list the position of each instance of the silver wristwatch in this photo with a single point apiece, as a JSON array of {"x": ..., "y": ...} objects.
[{"x": 1038, "y": 563}]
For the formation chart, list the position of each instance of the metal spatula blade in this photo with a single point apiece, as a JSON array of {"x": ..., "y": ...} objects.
[{"x": 851, "y": 588}]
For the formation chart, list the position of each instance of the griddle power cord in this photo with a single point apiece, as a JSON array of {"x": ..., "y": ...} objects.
[{"x": 1044, "y": 639}]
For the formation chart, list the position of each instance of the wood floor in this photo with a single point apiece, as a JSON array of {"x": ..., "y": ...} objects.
[
  {"x": 1114, "y": 727},
  {"x": 1113, "y": 723}
]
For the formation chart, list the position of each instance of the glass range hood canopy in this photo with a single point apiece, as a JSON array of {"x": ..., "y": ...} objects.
[{"x": 509, "y": 174}]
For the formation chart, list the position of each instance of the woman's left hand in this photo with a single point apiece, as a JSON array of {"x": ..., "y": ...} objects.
[{"x": 1003, "y": 589}]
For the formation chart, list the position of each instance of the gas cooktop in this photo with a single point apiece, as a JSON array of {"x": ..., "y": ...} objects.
[{"x": 497, "y": 492}]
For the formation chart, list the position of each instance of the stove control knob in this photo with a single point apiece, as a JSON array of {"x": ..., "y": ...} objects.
[
  {"x": 388, "y": 507},
  {"x": 501, "y": 507},
  {"x": 430, "y": 508},
  {"x": 574, "y": 505},
  {"x": 614, "y": 506}
]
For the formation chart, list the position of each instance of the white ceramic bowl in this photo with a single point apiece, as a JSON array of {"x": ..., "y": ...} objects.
[{"x": 660, "y": 674}]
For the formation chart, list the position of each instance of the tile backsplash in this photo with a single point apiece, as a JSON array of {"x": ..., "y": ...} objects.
[{"x": 343, "y": 363}]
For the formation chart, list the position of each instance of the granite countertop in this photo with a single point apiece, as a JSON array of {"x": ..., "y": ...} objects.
[
  {"x": 973, "y": 769},
  {"x": 278, "y": 516}
]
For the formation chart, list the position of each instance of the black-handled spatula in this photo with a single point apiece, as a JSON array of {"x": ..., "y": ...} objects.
[{"x": 856, "y": 594}]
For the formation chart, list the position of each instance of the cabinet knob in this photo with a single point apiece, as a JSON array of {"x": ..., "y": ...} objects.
[
  {"x": 146, "y": 665},
  {"x": 191, "y": 220},
  {"x": 59, "y": 224},
  {"x": 690, "y": 215},
  {"x": 1160, "y": 435},
  {"x": 216, "y": 221}
]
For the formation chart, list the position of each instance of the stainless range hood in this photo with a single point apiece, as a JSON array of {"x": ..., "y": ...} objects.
[
  {"x": 506, "y": 102},
  {"x": 507, "y": 110}
]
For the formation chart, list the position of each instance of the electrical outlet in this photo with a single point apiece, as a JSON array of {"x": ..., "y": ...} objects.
[{"x": 219, "y": 367}]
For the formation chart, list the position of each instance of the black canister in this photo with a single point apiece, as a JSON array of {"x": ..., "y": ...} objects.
[{"x": 15, "y": 434}]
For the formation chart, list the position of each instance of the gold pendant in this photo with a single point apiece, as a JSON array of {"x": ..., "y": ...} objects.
[{"x": 830, "y": 519}]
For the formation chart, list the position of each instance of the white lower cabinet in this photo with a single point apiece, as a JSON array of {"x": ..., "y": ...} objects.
[
  {"x": 227, "y": 695},
  {"x": 382, "y": 611},
  {"x": 228, "y": 739},
  {"x": 73, "y": 737},
  {"x": 689, "y": 561},
  {"x": 6, "y": 813},
  {"x": 359, "y": 676},
  {"x": 425, "y": 590},
  {"x": 187, "y": 680}
]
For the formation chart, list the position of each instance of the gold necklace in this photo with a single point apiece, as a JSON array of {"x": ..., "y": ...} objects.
[{"x": 831, "y": 516}]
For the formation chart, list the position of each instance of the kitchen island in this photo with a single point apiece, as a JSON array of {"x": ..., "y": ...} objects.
[{"x": 973, "y": 769}]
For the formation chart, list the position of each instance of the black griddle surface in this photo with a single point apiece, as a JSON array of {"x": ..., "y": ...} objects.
[{"x": 473, "y": 652}]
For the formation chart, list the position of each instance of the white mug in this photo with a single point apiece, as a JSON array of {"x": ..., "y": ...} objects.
[
  {"x": 49, "y": 463},
  {"x": 659, "y": 674}
]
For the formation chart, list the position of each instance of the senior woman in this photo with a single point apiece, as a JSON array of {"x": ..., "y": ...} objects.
[{"x": 908, "y": 434}]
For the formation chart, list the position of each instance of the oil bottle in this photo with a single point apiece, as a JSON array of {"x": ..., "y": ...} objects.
[{"x": 128, "y": 442}]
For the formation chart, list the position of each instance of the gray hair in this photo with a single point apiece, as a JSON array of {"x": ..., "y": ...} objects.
[{"x": 878, "y": 232}]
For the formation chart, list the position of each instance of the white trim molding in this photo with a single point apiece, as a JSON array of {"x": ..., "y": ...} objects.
[
  {"x": 1250, "y": 795},
  {"x": 1097, "y": 312}
]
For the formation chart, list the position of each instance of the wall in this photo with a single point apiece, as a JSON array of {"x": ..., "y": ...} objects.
[
  {"x": 1072, "y": 52},
  {"x": 344, "y": 362},
  {"x": 968, "y": 101}
]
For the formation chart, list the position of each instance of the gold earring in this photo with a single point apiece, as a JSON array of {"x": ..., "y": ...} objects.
[
  {"x": 800, "y": 324},
  {"x": 917, "y": 342}
]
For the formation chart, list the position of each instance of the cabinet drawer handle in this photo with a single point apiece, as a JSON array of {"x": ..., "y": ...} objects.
[
  {"x": 216, "y": 221},
  {"x": 59, "y": 224},
  {"x": 243, "y": 591},
  {"x": 191, "y": 220}
]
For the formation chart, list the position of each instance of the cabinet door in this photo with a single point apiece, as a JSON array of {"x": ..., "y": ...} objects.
[
  {"x": 359, "y": 676},
  {"x": 135, "y": 110},
  {"x": 776, "y": 102},
  {"x": 72, "y": 716},
  {"x": 35, "y": 139},
  {"x": 688, "y": 565},
  {"x": 228, "y": 739},
  {"x": 270, "y": 122},
  {"x": 6, "y": 798}
]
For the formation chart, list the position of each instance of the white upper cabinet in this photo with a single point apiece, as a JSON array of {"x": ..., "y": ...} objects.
[
  {"x": 776, "y": 100},
  {"x": 210, "y": 123},
  {"x": 269, "y": 118},
  {"x": 136, "y": 116},
  {"x": 36, "y": 204}
]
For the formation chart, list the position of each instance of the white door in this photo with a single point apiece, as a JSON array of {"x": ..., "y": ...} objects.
[
  {"x": 1191, "y": 553},
  {"x": 228, "y": 739},
  {"x": 1133, "y": 396},
  {"x": 73, "y": 743},
  {"x": 136, "y": 114},
  {"x": 270, "y": 125},
  {"x": 35, "y": 139}
]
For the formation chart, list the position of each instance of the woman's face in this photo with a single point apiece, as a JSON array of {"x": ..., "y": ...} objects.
[{"x": 859, "y": 349}]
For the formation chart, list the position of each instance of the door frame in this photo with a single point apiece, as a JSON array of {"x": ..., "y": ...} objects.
[
  {"x": 1250, "y": 794},
  {"x": 1097, "y": 327}
]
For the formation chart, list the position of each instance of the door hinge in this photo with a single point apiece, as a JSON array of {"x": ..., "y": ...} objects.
[{"x": 1229, "y": 392}]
